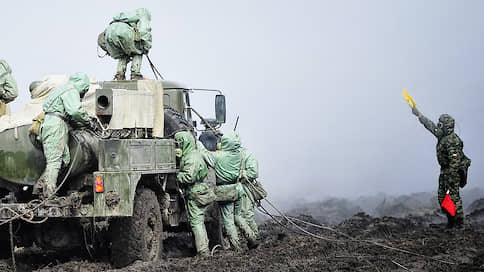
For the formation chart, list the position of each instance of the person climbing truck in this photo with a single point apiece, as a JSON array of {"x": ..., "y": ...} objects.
[
  {"x": 8, "y": 87},
  {"x": 453, "y": 163},
  {"x": 62, "y": 106},
  {"x": 127, "y": 38},
  {"x": 193, "y": 172}
]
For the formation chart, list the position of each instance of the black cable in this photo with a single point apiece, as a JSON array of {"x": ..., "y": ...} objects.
[{"x": 155, "y": 71}]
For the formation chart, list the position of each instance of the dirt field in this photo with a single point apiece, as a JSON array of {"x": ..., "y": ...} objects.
[{"x": 282, "y": 249}]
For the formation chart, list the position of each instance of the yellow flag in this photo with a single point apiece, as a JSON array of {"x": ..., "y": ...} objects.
[{"x": 409, "y": 99}]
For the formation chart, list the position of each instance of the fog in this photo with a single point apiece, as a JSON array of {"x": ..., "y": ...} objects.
[{"x": 317, "y": 84}]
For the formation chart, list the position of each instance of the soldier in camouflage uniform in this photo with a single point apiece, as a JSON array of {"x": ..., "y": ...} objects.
[{"x": 451, "y": 159}]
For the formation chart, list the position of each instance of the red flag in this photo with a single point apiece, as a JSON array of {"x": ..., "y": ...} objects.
[{"x": 448, "y": 204}]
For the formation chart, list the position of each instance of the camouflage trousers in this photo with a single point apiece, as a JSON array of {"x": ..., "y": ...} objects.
[{"x": 449, "y": 180}]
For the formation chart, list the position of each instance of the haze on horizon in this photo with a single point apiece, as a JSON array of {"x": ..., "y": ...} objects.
[{"x": 317, "y": 84}]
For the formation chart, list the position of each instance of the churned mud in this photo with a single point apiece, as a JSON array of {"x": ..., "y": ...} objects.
[{"x": 375, "y": 244}]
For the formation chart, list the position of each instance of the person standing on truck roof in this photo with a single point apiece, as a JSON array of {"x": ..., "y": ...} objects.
[
  {"x": 8, "y": 87},
  {"x": 127, "y": 38},
  {"x": 227, "y": 163},
  {"x": 192, "y": 174},
  {"x": 62, "y": 106},
  {"x": 453, "y": 163}
]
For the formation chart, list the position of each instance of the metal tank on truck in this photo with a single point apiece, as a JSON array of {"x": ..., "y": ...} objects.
[{"x": 119, "y": 191}]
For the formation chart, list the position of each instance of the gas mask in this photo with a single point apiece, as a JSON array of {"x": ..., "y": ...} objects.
[{"x": 82, "y": 94}]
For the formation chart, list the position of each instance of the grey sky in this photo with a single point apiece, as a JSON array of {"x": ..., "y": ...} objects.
[{"x": 317, "y": 84}]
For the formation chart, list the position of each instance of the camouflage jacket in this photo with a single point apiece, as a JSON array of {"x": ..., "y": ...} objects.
[{"x": 450, "y": 147}]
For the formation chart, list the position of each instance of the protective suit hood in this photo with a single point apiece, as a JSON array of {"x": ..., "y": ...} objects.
[
  {"x": 4, "y": 67},
  {"x": 447, "y": 124},
  {"x": 186, "y": 141},
  {"x": 230, "y": 141},
  {"x": 80, "y": 81}
]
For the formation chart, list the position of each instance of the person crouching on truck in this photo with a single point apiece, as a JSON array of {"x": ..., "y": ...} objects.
[{"x": 62, "y": 106}]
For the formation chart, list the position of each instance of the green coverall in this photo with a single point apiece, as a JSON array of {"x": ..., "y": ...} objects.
[
  {"x": 227, "y": 164},
  {"x": 193, "y": 171},
  {"x": 450, "y": 156},
  {"x": 8, "y": 86},
  {"x": 61, "y": 106},
  {"x": 127, "y": 37},
  {"x": 250, "y": 171}
]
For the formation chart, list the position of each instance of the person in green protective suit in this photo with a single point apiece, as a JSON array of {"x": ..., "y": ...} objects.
[
  {"x": 227, "y": 163},
  {"x": 8, "y": 86},
  {"x": 62, "y": 106},
  {"x": 249, "y": 173},
  {"x": 452, "y": 162},
  {"x": 192, "y": 174},
  {"x": 127, "y": 38}
]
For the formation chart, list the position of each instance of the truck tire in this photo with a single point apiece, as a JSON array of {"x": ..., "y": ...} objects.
[
  {"x": 174, "y": 122},
  {"x": 213, "y": 224},
  {"x": 138, "y": 237},
  {"x": 5, "y": 249}
]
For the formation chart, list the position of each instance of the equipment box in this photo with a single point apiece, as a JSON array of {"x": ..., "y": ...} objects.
[{"x": 145, "y": 155}]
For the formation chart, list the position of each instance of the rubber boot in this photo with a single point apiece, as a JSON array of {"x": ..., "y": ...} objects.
[
  {"x": 50, "y": 183},
  {"x": 39, "y": 186},
  {"x": 121, "y": 71},
  {"x": 252, "y": 243},
  {"x": 203, "y": 254},
  {"x": 136, "y": 67},
  {"x": 450, "y": 221},
  {"x": 119, "y": 77},
  {"x": 234, "y": 239},
  {"x": 459, "y": 223},
  {"x": 201, "y": 239}
]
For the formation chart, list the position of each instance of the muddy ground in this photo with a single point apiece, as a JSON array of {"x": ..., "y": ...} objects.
[{"x": 430, "y": 248}]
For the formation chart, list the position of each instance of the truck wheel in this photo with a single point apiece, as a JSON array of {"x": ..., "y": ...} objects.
[
  {"x": 213, "y": 223},
  {"x": 138, "y": 237},
  {"x": 174, "y": 122},
  {"x": 5, "y": 250}
]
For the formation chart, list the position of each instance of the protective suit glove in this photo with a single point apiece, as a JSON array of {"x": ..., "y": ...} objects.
[
  {"x": 178, "y": 152},
  {"x": 416, "y": 112}
]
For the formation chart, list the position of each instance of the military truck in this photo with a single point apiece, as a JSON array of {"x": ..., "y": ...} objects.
[{"x": 119, "y": 191}]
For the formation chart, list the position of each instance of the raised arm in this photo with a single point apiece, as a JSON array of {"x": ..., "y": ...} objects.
[
  {"x": 209, "y": 156},
  {"x": 251, "y": 166},
  {"x": 428, "y": 124},
  {"x": 74, "y": 109}
]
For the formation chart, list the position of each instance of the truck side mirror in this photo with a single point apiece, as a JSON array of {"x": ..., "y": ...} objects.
[{"x": 220, "y": 112}]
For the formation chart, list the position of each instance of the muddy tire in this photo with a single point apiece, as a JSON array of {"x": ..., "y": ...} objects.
[
  {"x": 213, "y": 224},
  {"x": 5, "y": 249},
  {"x": 174, "y": 122},
  {"x": 138, "y": 237}
]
